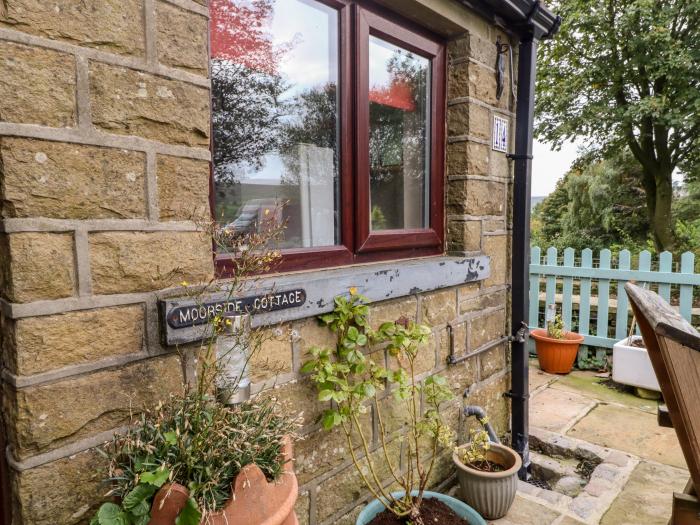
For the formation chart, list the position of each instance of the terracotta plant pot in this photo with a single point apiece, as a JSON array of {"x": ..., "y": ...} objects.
[
  {"x": 490, "y": 493},
  {"x": 254, "y": 500},
  {"x": 556, "y": 356}
]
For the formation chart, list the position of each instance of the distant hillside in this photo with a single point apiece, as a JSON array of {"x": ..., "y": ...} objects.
[{"x": 534, "y": 201}]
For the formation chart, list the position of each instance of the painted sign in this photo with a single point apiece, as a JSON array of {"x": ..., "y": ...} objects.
[
  {"x": 198, "y": 314},
  {"x": 499, "y": 140}
]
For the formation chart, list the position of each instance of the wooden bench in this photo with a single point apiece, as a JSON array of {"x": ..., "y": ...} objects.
[{"x": 674, "y": 349}]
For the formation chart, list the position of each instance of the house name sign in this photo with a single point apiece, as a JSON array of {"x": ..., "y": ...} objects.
[{"x": 190, "y": 315}]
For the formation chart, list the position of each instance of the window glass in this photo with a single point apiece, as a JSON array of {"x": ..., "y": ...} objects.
[
  {"x": 399, "y": 102},
  {"x": 274, "y": 68}
]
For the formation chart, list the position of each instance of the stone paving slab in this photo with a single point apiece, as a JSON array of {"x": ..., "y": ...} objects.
[
  {"x": 539, "y": 378},
  {"x": 632, "y": 431},
  {"x": 553, "y": 409},
  {"x": 586, "y": 384},
  {"x": 647, "y": 496},
  {"x": 527, "y": 512}
]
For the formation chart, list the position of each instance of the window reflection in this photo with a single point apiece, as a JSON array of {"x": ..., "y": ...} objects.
[
  {"x": 274, "y": 70},
  {"x": 399, "y": 101}
]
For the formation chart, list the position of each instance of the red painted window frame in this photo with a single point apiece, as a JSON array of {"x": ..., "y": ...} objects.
[{"x": 357, "y": 21}]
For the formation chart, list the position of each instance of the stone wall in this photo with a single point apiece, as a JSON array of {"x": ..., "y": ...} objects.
[{"x": 104, "y": 134}]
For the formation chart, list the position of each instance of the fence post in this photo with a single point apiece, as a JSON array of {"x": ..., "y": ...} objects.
[
  {"x": 624, "y": 261},
  {"x": 665, "y": 266},
  {"x": 551, "y": 281},
  {"x": 686, "y": 294},
  {"x": 603, "y": 296},
  {"x": 535, "y": 258},
  {"x": 584, "y": 309},
  {"x": 567, "y": 290}
]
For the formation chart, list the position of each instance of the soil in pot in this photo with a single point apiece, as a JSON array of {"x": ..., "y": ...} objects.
[
  {"x": 487, "y": 466},
  {"x": 432, "y": 511}
]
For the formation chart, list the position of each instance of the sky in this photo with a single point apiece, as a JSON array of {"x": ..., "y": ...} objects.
[{"x": 549, "y": 166}]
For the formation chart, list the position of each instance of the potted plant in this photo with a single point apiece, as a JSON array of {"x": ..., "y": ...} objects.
[
  {"x": 556, "y": 348},
  {"x": 487, "y": 473},
  {"x": 354, "y": 379},
  {"x": 209, "y": 455}
]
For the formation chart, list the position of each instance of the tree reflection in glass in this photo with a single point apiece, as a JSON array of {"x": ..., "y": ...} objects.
[
  {"x": 399, "y": 105},
  {"x": 274, "y": 70}
]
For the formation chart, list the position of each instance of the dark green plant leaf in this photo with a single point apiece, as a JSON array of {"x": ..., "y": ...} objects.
[{"x": 140, "y": 494}]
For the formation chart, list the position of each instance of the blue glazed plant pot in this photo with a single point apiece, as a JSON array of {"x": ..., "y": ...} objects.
[{"x": 460, "y": 508}]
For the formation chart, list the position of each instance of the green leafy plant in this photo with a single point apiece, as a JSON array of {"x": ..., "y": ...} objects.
[
  {"x": 350, "y": 376},
  {"x": 192, "y": 439},
  {"x": 475, "y": 452},
  {"x": 555, "y": 328}
]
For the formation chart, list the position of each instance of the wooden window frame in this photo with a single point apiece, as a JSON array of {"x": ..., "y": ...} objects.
[{"x": 357, "y": 21}]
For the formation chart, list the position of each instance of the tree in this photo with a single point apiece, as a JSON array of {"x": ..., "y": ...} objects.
[
  {"x": 624, "y": 74},
  {"x": 598, "y": 204}
]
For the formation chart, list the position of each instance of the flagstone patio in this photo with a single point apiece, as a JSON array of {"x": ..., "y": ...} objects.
[{"x": 637, "y": 463}]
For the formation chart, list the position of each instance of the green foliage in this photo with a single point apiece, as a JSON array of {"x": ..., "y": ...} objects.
[
  {"x": 349, "y": 376},
  {"x": 623, "y": 74},
  {"x": 555, "y": 328},
  {"x": 194, "y": 441},
  {"x": 597, "y": 204},
  {"x": 135, "y": 508},
  {"x": 479, "y": 444}
]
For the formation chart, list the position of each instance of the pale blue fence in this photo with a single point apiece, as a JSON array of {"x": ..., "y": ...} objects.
[{"x": 589, "y": 292}]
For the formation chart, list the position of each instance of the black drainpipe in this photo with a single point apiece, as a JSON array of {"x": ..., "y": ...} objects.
[
  {"x": 522, "y": 158},
  {"x": 521, "y": 250}
]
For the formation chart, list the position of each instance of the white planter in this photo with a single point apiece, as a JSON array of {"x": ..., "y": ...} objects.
[{"x": 632, "y": 366}]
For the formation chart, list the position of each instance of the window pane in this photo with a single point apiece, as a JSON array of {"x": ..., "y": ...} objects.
[
  {"x": 274, "y": 73},
  {"x": 399, "y": 104}
]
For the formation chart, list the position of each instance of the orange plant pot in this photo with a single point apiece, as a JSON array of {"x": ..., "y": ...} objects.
[
  {"x": 254, "y": 500},
  {"x": 556, "y": 356}
]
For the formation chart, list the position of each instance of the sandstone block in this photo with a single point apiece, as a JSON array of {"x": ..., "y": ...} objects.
[
  {"x": 66, "y": 491},
  {"x": 297, "y": 400},
  {"x": 458, "y": 48},
  {"x": 71, "y": 181},
  {"x": 48, "y": 416},
  {"x": 482, "y": 84},
  {"x": 463, "y": 236},
  {"x": 469, "y": 119},
  {"x": 129, "y": 102},
  {"x": 37, "y": 86},
  {"x": 473, "y": 304},
  {"x": 125, "y": 262},
  {"x": 496, "y": 246},
  {"x": 458, "y": 81},
  {"x": 115, "y": 26},
  {"x": 484, "y": 50},
  {"x": 390, "y": 311},
  {"x": 311, "y": 334},
  {"x": 486, "y": 328},
  {"x": 459, "y": 337},
  {"x": 39, "y": 266},
  {"x": 272, "y": 354},
  {"x": 439, "y": 307},
  {"x": 346, "y": 486},
  {"x": 492, "y": 361},
  {"x": 490, "y": 396},
  {"x": 182, "y": 38},
  {"x": 322, "y": 450},
  {"x": 183, "y": 188},
  {"x": 467, "y": 158},
  {"x": 461, "y": 375},
  {"x": 485, "y": 198},
  {"x": 45, "y": 343}
]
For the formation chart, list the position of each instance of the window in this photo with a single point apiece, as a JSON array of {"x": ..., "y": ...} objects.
[{"x": 327, "y": 115}]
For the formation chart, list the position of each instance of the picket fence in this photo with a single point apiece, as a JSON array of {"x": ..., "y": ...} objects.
[{"x": 581, "y": 288}]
